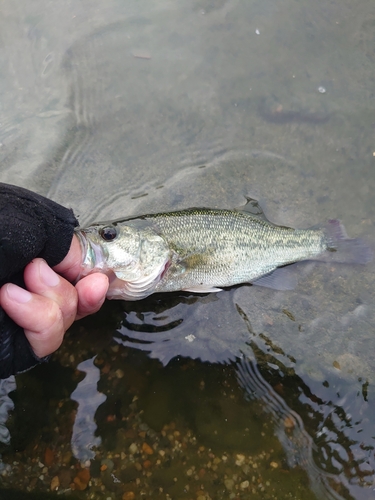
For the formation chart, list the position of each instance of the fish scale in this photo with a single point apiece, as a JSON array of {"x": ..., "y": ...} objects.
[{"x": 223, "y": 248}]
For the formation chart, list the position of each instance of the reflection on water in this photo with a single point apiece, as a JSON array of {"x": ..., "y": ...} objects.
[
  {"x": 6, "y": 405},
  {"x": 289, "y": 428},
  {"x": 88, "y": 399},
  {"x": 334, "y": 455},
  {"x": 150, "y": 330}
]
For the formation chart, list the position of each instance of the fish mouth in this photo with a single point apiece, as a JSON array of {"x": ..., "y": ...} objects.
[{"x": 92, "y": 256}]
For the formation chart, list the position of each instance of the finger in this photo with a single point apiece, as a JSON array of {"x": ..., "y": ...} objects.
[
  {"x": 70, "y": 267},
  {"x": 42, "y": 280},
  {"x": 91, "y": 294},
  {"x": 40, "y": 317},
  {"x": 91, "y": 289}
]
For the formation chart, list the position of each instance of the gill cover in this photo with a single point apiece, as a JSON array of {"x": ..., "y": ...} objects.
[{"x": 136, "y": 256}]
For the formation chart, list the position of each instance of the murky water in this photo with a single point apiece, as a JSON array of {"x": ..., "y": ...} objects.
[{"x": 122, "y": 108}]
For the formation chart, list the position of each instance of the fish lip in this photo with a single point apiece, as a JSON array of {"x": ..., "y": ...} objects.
[
  {"x": 92, "y": 256},
  {"x": 83, "y": 244}
]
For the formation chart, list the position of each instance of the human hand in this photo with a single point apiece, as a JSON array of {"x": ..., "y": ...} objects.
[
  {"x": 32, "y": 228},
  {"x": 51, "y": 303}
]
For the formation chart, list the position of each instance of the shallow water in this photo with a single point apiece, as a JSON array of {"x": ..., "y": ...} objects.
[{"x": 118, "y": 109}]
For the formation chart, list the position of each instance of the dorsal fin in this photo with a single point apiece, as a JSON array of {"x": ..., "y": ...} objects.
[{"x": 252, "y": 207}]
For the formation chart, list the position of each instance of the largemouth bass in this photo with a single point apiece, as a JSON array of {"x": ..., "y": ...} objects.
[{"x": 202, "y": 250}]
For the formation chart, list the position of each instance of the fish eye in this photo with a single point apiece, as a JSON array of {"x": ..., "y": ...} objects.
[{"x": 108, "y": 233}]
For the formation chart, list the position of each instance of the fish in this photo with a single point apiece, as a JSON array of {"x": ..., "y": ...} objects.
[{"x": 203, "y": 250}]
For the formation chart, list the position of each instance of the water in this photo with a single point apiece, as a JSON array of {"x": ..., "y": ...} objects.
[{"x": 116, "y": 109}]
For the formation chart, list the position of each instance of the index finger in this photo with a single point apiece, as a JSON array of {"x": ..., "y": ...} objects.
[
  {"x": 40, "y": 317},
  {"x": 40, "y": 279}
]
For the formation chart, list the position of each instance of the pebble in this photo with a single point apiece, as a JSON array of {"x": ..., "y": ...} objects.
[
  {"x": 133, "y": 449},
  {"x": 146, "y": 448},
  {"x": 274, "y": 465},
  {"x": 55, "y": 483},
  {"x": 246, "y": 469},
  {"x": 288, "y": 423},
  {"x": 65, "y": 477},
  {"x": 49, "y": 457},
  {"x": 81, "y": 480},
  {"x": 128, "y": 495},
  {"x": 240, "y": 459},
  {"x": 229, "y": 483},
  {"x": 66, "y": 458},
  {"x": 244, "y": 485},
  {"x": 107, "y": 464}
]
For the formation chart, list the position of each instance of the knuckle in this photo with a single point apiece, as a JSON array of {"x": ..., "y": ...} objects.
[
  {"x": 53, "y": 316},
  {"x": 69, "y": 307}
]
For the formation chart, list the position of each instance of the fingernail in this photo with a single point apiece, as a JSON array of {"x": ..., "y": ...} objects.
[
  {"x": 18, "y": 294},
  {"x": 47, "y": 275}
]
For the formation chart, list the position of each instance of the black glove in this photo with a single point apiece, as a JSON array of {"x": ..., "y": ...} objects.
[{"x": 30, "y": 226}]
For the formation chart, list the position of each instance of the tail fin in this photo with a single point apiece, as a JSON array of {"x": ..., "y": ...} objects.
[{"x": 343, "y": 249}]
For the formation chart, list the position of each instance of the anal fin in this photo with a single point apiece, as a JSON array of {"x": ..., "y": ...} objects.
[{"x": 281, "y": 278}]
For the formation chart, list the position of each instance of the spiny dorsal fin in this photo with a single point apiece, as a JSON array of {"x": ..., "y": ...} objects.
[{"x": 252, "y": 207}]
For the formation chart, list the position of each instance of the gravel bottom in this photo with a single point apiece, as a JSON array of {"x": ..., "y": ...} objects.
[
  {"x": 170, "y": 464},
  {"x": 133, "y": 460}
]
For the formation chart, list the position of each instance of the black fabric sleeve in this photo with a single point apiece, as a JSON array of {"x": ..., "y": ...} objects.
[{"x": 30, "y": 226}]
